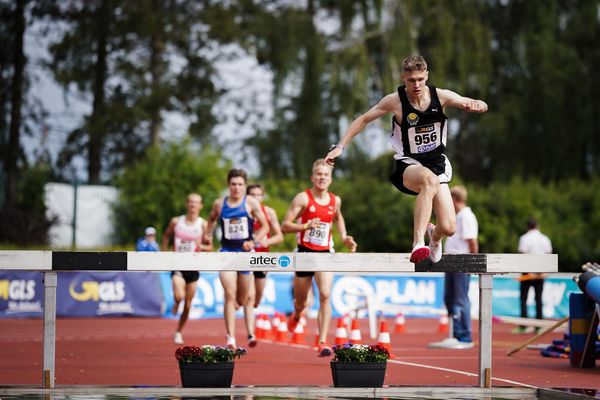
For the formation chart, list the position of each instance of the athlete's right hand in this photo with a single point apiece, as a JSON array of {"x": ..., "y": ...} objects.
[{"x": 312, "y": 223}]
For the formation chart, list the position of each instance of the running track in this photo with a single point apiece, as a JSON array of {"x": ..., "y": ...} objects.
[{"x": 139, "y": 351}]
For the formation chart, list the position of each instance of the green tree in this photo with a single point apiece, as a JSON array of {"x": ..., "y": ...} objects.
[
  {"x": 134, "y": 61},
  {"x": 154, "y": 189}
]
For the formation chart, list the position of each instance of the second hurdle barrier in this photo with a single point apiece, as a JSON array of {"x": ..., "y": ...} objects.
[{"x": 485, "y": 265}]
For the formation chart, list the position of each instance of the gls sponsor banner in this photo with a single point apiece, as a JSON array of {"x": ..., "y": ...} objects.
[
  {"x": 21, "y": 294},
  {"x": 88, "y": 294}
]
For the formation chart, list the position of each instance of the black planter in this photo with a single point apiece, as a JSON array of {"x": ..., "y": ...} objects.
[
  {"x": 351, "y": 374},
  {"x": 206, "y": 374}
]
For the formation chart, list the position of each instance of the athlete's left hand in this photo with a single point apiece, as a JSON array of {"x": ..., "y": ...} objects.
[
  {"x": 476, "y": 106},
  {"x": 350, "y": 243},
  {"x": 248, "y": 245}
]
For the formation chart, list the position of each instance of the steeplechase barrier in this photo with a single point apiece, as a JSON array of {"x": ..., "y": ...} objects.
[{"x": 484, "y": 265}]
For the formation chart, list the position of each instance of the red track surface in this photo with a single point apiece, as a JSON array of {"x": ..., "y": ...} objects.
[{"x": 136, "y": 351}]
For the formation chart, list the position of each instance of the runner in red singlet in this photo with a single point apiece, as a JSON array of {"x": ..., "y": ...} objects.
[
  {"x": 274, "y": 236},
  {"x": 311, "y": 216}
]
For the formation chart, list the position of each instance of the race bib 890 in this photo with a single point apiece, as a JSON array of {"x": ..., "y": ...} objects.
[{"x": 319, "y": 235}]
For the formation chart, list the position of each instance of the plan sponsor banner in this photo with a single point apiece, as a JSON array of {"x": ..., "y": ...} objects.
[
  {"x": 414, "y": 295},
  {"x": 86, "y": 294}
]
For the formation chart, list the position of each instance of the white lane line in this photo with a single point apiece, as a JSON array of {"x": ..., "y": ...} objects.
[{"x": 458, "y": 372}]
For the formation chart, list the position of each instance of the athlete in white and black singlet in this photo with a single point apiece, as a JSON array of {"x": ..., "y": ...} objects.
[
  {"x": 419, "y": 139},
  {"x": 187, "y": 232}
]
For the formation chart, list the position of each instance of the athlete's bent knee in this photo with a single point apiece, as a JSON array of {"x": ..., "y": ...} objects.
[{"x": 447, "y": 228}]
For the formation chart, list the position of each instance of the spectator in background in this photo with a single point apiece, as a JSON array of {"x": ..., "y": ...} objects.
[
  {"x": 148, "y": 242},
  {"x": 456, "y": 284},
  {"x": 533, "y": 242}
]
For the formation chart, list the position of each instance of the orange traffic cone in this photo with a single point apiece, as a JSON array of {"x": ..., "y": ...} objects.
[
  {"x": 341, "y": 333},
  {"x": 267, "y": 328},
  {"x": 383, "y": 339},
  {"x": 298, "y": 335},
  {"x": 282, "y": 335},
  {"x": 259, "y": 329},
  {"x": 443, "y": 325},
  {"x": 355, "y": 336},
  {"x": 347, "y": 320},
  {"x": 276, "y": 322},
  {"x": 400, "y": 322},
  {"x": 303, "y": 320}
]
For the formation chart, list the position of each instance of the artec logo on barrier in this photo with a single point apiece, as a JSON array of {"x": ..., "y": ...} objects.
[
  {"x": 263, "y": 261},
  {"x": 284, "y": 261}
]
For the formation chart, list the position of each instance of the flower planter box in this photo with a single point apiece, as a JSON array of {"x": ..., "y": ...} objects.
[
  {"x": 353, "y": 374},
  {"x": 206, "y": 374}
]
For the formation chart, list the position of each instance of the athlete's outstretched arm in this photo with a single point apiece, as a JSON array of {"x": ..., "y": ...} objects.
[
  {"x": 385, "y": 105},
  {"x": 448, "y": 98}
]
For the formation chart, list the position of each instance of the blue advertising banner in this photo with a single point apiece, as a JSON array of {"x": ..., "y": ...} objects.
[
  {"x": 414, "y": 295},
  {"x": 89, "y": 294},
  {"x": 21, "y": 294},
  {"x": 85, "y": 294},
  {"x": 506, "y": 296}
]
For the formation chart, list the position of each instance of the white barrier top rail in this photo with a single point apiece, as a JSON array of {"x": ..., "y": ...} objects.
[{"x": 34, "y": 260}]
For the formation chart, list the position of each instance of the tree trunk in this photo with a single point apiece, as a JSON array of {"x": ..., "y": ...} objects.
[
  {"x": 14, "y": 146},
  {"x": 97, "y": 123},
  {"x": 156, "y": 71},
  {"x": 156, "y": 49}
]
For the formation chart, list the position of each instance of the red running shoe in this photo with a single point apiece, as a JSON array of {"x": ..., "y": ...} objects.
[
  {"x": 252, "y": 341},
  {"x": 324, "y": 350},
  {"x": 419, "y": 253},
  {"x": 292, "y": 322}
]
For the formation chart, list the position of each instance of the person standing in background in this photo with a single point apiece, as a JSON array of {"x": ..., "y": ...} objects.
[
  {"x": 148, "y": 242},
  {"x": 456, "y": 284},
  {"x": 533, "y": 242}
]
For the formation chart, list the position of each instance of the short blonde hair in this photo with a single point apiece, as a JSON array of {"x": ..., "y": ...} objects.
[
  {"x": 459, "y": 193},
  {"x": 414, "y": 63},
  {"x": 191, "y": 195},
  {"x": 321, "y": 163}
]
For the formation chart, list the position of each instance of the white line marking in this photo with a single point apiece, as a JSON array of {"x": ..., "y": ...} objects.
[
  {"x": 457, "y": 372},
  {"x": 411, "y": 364}
]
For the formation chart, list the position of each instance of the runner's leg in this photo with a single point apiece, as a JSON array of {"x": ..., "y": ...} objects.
[
  {"x": 190, "y": 292},
  {"x": 424, "y": 182},
  {"x": 229, "y": 282},
  {"x": 324, "y": 282}
]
